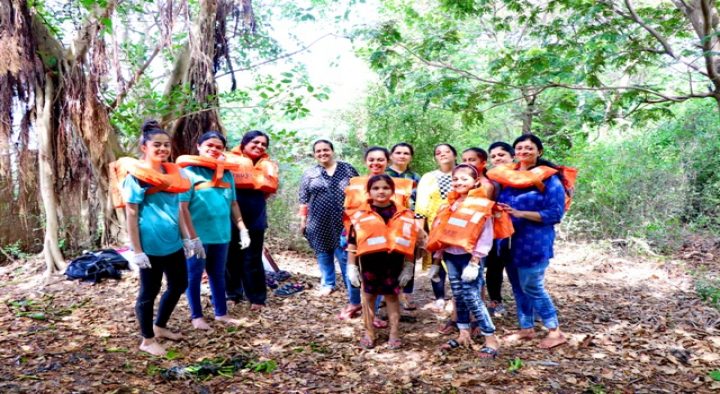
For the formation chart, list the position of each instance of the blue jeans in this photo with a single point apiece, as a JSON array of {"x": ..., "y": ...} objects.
[
  {"x": 467, "y": 294},
  {"x": 439, "y": 286},
  {"x": 214, "y": 264},
  {"x": 326, "y": 261},
  {"x": 530, "y": 295}
]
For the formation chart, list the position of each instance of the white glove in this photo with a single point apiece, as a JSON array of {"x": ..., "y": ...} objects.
[
  {"x": 353, "y": 274},
  {"x": 434, "y": 273},
  {"x": 193, "y": 247},
  {"x": 470, "y": 273},
  {"x": 407, "y": 273},
  {"x": 244, "y": 238},
  {"x": 141, "y": 261}
]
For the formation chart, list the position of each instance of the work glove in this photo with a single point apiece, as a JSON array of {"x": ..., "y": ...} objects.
[
  {"x": 141, "y": 261},
  {"x": 244, "y": 238},
  {"x": 434, "y": 273},
  {"x": 470, "y": 273},
  {"x": 407, "y": 273},
  {"x": 353, "y": 273},
  {"x": 194, "y": 247}
]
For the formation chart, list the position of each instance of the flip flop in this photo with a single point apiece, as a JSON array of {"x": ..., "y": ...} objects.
[
  {"x": 408, "y": 306},
  {"x": 450, "y": 345},
  {"x": 449, "y": 328},
  {"x": 487, "y": 353},
  {"x": 349, "y": 312},
  {"x": 366, "y": 342},
  {"x": 377, "y": 323},
  {"x": 289, "y": 289},
  {"x": 394, "y": 344}
]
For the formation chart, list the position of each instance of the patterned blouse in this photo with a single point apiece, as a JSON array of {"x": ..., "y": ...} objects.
[
  {"x": 532, "y": 242},
  {"x": 324, "y": 196}
]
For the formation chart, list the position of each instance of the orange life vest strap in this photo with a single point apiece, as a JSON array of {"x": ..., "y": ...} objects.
[
  {"x": 510, "y": 175},
  {"x": 171, "y": 181},
  {"x": 261, "y": 175}
]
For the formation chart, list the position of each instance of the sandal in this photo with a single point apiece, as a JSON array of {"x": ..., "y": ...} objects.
[
  {"x": 449, "y": 328},
  {"x": 394, "y": 344},
  {"x": 349, "y": 312},
  {"x": 377, "y": 323},
  {"x": 289, "y": 289},
  {"x": 366, "y": 342},
  {"x": 487, "y": 353},
  {"x": 270, "y": 282},
  {"x": 450, "y": 345}
]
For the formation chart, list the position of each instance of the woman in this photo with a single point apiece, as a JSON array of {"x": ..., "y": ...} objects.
[
  {"x": 154, "y": 224},
  {"x": 322, "y": 196},
  {"x": 535, "y": 213},
  {"x": 499, "y": 256},
  {"x": 206, "y": 208},
  {"x": 382, "y": 244},
  {"x": 401, "y": 154},
  {"x": 255, "y": 180},
  {"x": 432, "y": 192}
]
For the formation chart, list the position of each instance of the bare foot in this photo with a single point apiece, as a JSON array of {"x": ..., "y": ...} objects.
[
  {"x": 520, "y": 335},
  {"x": 201, "y": 324},
  {"x": 161, "y": 332},
  {"x": 324, "y": 292},
  {"x": 153, "y": 347},
  {"x": 492, "y": 342},
  {"x": 553, "y": 339},
  {"x": 228, "y": 320},
  {"x": 256, "y": 307},
  {"x": 464, "y": 339}
]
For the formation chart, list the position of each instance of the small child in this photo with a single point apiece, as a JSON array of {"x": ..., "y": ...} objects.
[
  {"x": 462, "y": 236},
  {"x": 382, "y": 240}
]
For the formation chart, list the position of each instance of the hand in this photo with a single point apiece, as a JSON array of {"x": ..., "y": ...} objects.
[
  {"x": 196, "y": 247},
  {"x": 421, "y": 239},
  {"x": 141, "y": 261},
  {"x": 470, "y": 273},
  {"x": 353, "y": 273},
  {"x": 188, "y": 248},
  {"x": 407, "y": 273},
  {"x": 434, "y": 273},
  {"x": 244, "y": 238}
]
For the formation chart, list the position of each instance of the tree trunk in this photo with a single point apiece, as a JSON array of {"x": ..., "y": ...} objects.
[
  {"x": 44, "y": 102},
  {"x": 530, "y": 110}
]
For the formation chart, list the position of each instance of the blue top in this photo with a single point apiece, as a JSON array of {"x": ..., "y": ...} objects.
[
  {"x": 324, "y": 196},
  {"x": 532, "y": 242},
  {"x": 253, "y": 208},
  {"x": 158, "y": 217},
  {"x": 210, "y": 208}
]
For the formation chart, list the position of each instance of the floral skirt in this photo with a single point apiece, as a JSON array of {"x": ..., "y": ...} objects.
[{"x": 380, "y": 273}]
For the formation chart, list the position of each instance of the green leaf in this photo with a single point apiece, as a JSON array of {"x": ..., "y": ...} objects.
[{"x": 715, "y": 375}]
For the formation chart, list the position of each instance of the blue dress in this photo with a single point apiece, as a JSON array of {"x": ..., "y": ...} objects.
[
  {"x": 532, "y": 242},
  {"x": 324, "y": 195}
]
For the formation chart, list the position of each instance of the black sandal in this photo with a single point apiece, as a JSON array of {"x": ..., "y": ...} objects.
[
  {"x": 289, "y": 289},
  {"x": 450, "y": 345},
  {"x": 487, "y": 353}
]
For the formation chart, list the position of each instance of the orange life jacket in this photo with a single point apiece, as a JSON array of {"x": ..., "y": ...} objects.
[
  {"x": 509, "y": 175},
  {"x": 356, "y": 192},
  {"x": 171, "y": 181},
  {"x": 262, "y": 175},
  {"x": 208, "y": 162},
  {"x": 502, "y": 223},
  {"x": 463, "y": 226},
  {"x": 373, "y": 235}
]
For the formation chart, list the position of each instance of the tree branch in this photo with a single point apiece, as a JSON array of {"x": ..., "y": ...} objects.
[
  {"x": 707, "y": 42},
  {"x": 663, "y": 41},
  {"x": 138, "y": 73}
]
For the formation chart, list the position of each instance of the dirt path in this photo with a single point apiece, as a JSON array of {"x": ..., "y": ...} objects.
[{"x": 636, "y": 326}]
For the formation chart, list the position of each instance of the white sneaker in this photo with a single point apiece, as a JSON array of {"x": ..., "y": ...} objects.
[{"x": 440, "y": 304}]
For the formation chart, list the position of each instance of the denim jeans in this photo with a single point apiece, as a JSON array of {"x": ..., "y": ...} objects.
[
  {"x": 530, "y": 295},
  {"x": 175, "y": 271},
  {"x": 214, "y": 264},
  {"x": 326, "y": 261},
  {"x": 467, "y": 294},
  {"x": 439, "y": 286}
]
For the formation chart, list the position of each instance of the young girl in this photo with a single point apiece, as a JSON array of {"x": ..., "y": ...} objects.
[
  {"x": 153, "y": 221},
  {"x": 462, "y": 236},
  {"x": 208, "y": 204},
  {"x": 478, "y": 158},
  {"x": 382, "y": 240}
]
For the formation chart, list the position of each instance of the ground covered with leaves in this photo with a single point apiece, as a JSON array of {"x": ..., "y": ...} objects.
[{"x": 635, "y": 325}]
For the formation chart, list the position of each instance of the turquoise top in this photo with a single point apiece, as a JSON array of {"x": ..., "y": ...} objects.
[
  {"x": 158, "y": 217},
  {"x": 210, "y": 208}
]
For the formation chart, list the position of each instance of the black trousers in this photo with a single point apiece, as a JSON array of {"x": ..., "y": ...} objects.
[
  {"x": 496, "y": 261},
  {"x": 175, "y": 270},
  {"x": 244, "y": 272}
]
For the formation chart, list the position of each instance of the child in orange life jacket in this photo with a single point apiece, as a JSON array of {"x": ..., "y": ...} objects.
[
  {"x": 382, "y": 240},
  {"x": 462, "y": 235}
]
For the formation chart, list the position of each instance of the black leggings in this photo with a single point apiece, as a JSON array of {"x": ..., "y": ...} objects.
[
  {"x": 244, "y": 272},
  {"x": 175, "y": 270},
  {"x": 497, "y": 259}
]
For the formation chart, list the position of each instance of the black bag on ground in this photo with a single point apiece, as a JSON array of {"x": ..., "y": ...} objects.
[{"x": 94, "y": 266}]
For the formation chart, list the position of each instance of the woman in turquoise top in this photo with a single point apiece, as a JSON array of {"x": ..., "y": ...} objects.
[
  {"x": 206, "y": 212},
  {"x": 153, "y": 221}
]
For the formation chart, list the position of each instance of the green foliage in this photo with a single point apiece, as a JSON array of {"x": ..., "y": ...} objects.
[
  {"x": 267, "y": 366},
  {"x": 708, "y": 290},
  {"x": 15, "y": 251},
  {"x": 514, "y": 365},
  {"x": 714, "y": 375}
]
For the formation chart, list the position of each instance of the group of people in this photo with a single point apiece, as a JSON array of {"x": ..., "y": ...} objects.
[
  {"x": 206, "y": 213},
  {"x": 458, "y": 220}
]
